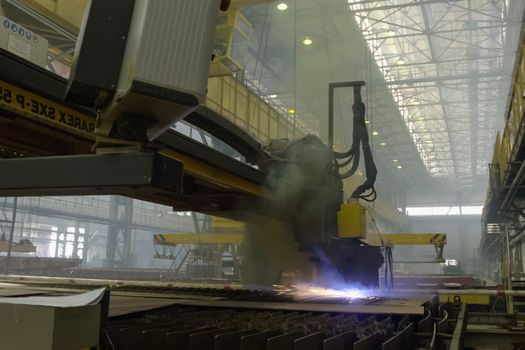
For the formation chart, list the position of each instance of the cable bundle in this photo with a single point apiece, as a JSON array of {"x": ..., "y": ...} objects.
[{"x": 359, "y": 140}]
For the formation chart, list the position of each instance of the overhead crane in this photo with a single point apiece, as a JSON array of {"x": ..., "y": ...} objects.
[{"x": 437, "y": 240}]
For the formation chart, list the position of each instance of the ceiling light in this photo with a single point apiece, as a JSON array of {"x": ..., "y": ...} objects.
[
  {"x": 414, "y": 102},
  {"x": 272, "y": 96},
  {"x": 307, "y": 41},
  {"x": 367, "y": 121},
  {"x": 291, "y": 111},
  {"x": 282, "y": 6},
  {"x": 421, "y": 117},
  {"x": 375, "y": 133},
  {"x": 400, "y": 61},
  {"x": 400, "y": 167},
  {"x": 428, "y": 141},
  {"x": 390, "y": 33},
  {"x": 382, "y": 144},
  {"x": 395, "y": 160}
]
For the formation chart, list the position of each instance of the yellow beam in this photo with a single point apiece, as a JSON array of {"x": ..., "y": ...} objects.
[
  {"x": 472, "y": 299},
  {"x": 198, "y": 238},
  {"x": 41, "y": 109},
  {"x": 211, "y": 174},
  {"x": 436, "y": 239},
  {"x": 222, "y": 223}
]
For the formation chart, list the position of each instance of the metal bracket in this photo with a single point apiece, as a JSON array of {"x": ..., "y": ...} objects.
[{"x": 331, "y": 86}]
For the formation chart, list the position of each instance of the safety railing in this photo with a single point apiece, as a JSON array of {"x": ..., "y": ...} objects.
[
  {"x": 506, "y": 173},
  {"x": 508, "y": 143},
  {"x": 236, "y": 102}
]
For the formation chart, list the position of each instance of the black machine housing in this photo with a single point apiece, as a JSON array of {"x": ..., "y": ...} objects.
[
  {"x": 307, "y": 187},
  {"x": 304, "y": 177}
]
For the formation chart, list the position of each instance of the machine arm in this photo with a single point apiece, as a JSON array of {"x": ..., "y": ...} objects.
[{"x": 438, "y": 240}]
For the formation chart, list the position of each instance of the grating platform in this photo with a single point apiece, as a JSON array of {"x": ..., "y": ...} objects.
[{"x": 193, "y": 328}]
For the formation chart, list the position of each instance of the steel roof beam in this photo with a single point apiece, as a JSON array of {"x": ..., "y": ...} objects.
[
  {"x": 441, "y": 78},
  {"x": 473, "y": 98},
  {"x": 396, "y": 6},
  {"x": 434, "y": 56}
]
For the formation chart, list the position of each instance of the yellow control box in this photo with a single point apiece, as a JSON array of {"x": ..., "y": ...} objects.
[{"x": 351, "y": 220}]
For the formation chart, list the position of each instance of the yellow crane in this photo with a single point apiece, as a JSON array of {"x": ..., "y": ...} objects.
[{"x": 352, "y": 223}]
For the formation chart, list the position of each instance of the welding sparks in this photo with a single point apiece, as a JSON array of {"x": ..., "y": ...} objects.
[
  {"x": 313, "y": 291},
  {"x": 304, "y": 292}
]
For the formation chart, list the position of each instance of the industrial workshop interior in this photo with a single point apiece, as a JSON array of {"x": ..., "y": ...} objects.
[{"x": 261, "y": 174}]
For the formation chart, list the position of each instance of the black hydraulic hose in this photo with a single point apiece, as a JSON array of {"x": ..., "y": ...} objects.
[
  {"x": 340, "y": 155},
  {"x": 357, "y": 135},
  {"x": 370, "y": 168},
  {"x": 360, "y": 140},
  {"x": 345, "y": 163}
]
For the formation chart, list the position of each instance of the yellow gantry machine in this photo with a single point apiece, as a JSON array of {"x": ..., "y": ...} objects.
[{"x": 106, "y": 130}]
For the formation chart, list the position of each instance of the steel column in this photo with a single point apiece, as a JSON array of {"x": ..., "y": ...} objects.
[
  {"x": 118, "y": 247},
  {"x": 11, "y": 232},
  {"x": 508, "y": 262}
]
